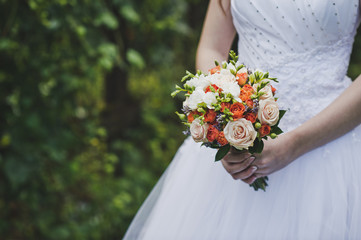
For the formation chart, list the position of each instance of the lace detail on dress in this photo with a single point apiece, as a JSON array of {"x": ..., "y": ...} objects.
[{"x": 307, "y": 46}]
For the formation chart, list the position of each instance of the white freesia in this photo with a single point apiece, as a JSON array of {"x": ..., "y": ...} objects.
[
  {"x": 198, "y": 131},
  {"x": 240, "y": 134},
  {"x": 196, "y": 97},
  {"x": 198, "y": 82},
  {"x": 243, "y": 70},
  {"x": 209, "y": 99},
  {"x": 268, "y": 112},
  {"x": 227, "y": 81},
  {"x": 267, "y": 90}
]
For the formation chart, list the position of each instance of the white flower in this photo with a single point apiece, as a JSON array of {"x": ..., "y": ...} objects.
[
  {"x": 227, "y": 81},
  {"x": 209, "y": 98},
  {"x": 268, "y": 112},
  {"x": 198, "y": 131},
  {"x": 240, "y": 134},
  {"x": 196, "y": 97},
  {"x": 198, "y": 82},
  {"x": 267, "y": 90},
  {"x": 243, "y": 70}
]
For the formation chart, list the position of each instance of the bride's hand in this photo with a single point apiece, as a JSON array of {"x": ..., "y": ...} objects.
[{"x": 277, "y": 153}]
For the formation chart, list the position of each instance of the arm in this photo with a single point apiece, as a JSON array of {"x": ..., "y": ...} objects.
[
  {"x": 338, "y": 118},
  {"x": 217, "y": 35}
]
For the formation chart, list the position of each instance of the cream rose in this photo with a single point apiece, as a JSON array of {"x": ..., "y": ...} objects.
[
  {"x": 240, "y": 134},
  {"x": 198, "y": 131},
  {"x": 268, "y": 112},
  {"x": 267, "y": 90}
]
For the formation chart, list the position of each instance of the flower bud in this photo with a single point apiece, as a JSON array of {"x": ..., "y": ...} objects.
[
  {"x": 258, "y": 125},
  {"x": 273, "y": 135}
]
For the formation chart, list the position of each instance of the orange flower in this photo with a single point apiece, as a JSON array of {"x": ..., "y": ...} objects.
[
  {"x": 245, "y": 95},
  {"x": 264, "y": 130},
  {"x": 248, "y": 88},
  {"x": 225, "y": 105},
  {"x": 237, "y": 109},
  {"x": 212, "y": 133},
  {"x": 273, "y": 90},
  {"x": 249, "y": 103},
  {"x": 242, "y": 78},
  {"x": 250, "y": 117},
  {"x": 210, "y": 116},
  {"x": 214, "y": 70},
  {"x": 221, "y": 139},
  {"x": 208, "y": 89},
  {"x": 190, "y": 116}
]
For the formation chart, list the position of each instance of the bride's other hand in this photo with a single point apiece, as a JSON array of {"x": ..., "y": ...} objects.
[{"x": 277, "y": 154}]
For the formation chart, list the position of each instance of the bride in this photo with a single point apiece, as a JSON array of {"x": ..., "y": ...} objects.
[{"x": 314, "y": 168}]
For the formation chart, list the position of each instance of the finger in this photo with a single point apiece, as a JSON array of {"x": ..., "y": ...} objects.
[
  {"x": 235, "y": 150},
  {"x": 245, "y": 174},
  {"x": 237, "y": 158},
  {"x": 250, "y": 180},
  {"x": 239, "y": 167}
]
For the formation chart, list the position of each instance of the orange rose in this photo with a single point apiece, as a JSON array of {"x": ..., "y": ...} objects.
[
  {"x": 212, "y": 133},
  {"x": 237, "y": 109},
  {"x": 248, "y": 88},
  {"x": 241, "y": 78},
  {"x": 250, "y": 117},
  {"x": 190, "y": 116},
  {"x": 214, "y": 70},
  {"x": 221, "y": 139},
  {"x": 264, "y": 130},
  {"x": 225, "y": 105},
  {"x": 208, "y": 89},
  {"x": 249, "y": 103},
  {"x": 245, "y": 95},
  {"x": 210, "y": 116}
]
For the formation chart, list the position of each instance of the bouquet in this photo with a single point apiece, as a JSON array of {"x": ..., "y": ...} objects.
[{"x": 230, "y": 107}]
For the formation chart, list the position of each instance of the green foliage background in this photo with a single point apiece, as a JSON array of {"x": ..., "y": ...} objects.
[{"x": 87, "y": 124}]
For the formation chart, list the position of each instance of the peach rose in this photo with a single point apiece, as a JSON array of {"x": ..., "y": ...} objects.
[
  {"x": 266, "y": 90},
  {"x": 268, "y": 112},
  {"x": 240, "y": 134},
  {"x": 198, "y": 131}
]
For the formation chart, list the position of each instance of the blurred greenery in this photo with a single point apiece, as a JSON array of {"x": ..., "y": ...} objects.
[{"x": 87, "y": 123}]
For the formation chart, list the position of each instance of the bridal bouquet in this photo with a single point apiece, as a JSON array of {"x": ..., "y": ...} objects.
[{"x": 231, "y": 106}]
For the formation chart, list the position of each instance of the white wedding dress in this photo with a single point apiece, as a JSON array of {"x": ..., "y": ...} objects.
[{"x": 306, "y": 44}]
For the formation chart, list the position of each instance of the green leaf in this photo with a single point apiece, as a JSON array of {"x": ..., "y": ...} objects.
[
  {"x": 130, "y": 14},
  {"x": 257, "y": 146},
  {"x": 222, "y": 152},
  {"x": 135, "y": 58},
  {"x": 282, "y": 113},
  {"x": 276, "y": 130}
]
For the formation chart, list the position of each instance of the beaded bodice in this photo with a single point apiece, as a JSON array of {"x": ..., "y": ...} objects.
[{"x": 306, "y": 44}]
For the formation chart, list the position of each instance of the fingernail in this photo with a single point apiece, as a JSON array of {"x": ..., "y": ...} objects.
[
  {"x": 254, "y": 168},
  {"x": 252, "y": 158}
]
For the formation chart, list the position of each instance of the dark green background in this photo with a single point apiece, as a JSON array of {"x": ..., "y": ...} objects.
[{"x": 87, "y": 124}]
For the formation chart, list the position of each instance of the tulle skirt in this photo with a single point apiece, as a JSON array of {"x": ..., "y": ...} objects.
[{"x": 318, "y": 196}]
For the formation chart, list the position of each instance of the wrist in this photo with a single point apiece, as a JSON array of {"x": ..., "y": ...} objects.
[{"x": 296, "y": 142}]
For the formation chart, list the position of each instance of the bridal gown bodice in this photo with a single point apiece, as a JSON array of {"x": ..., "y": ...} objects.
[{"x": 306, "y": 44}]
